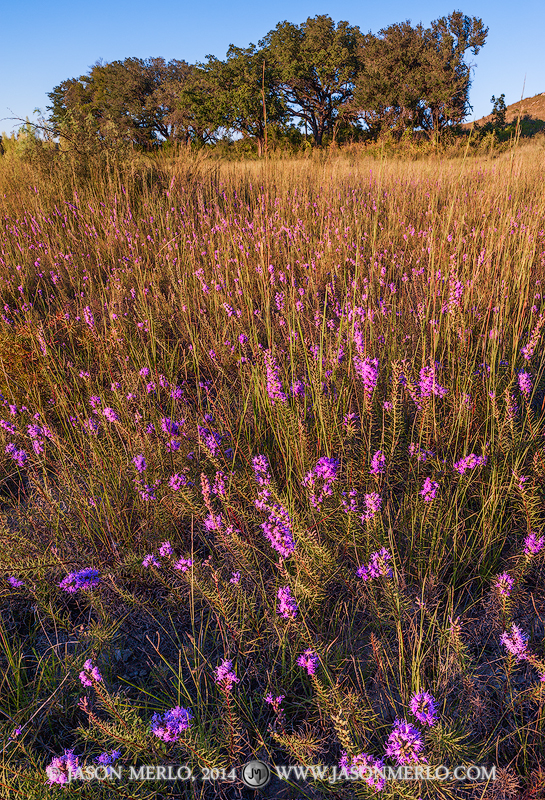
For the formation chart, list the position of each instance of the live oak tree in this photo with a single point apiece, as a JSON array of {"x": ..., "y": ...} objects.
[
  {"x": 133, "y": 100},
  {"x": 446, "y": 76},
  {"x": 315, "y": 64},
  {"x": 417, "y": 77},
  {"x": 389, "y": 84},
  {"x": 245, "y": 92}
]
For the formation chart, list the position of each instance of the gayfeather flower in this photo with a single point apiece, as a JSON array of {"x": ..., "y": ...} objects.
[
  {"x": 61, "y": 768},
  {"x": 419, "y": 452},
  {"x": 405, "y": 744},
  {"x": 533, "y": 544},
  {"x": 108, "y": 758},
  {"x": 349, "y": 506},
  {"x": 378, "y": 566},
  {"x": 177, "y": 481},
  {"x": 89, "y": 674},
  {"x": 235, "y": 578},
  {"x": 18, "y": 455},
  {"x": 275, "y": 702},
  {"x": 325, "y": 470},
  {"x": 166, "y": 549},
  {"x": 423, "y": 707},
  {"x": 139, "y": 463},
  {"x": 373, "y": 502},
  {"x": 309, "y": 661},
  {"x": 377, "y": 463},
  {"x": 150, "y": 561},
  {"x": 88, "y": 317},
  {"x": 261, "y": 470},
  {"x": 428, "y": 383},
  {"x": 110, "y": 414},
  {"x": 429, "y": 490},
  {"x": 274, "y": 384},
  {"x": 183, "y": 564},
  {"x": 516, "y": 642},
  {"x": 278, "y": 531},
  {"x": 504, "y": 584},
  {"x": 367, "y": 767},
  {"x": 84, "y": 579},
  {"x": 287, "y": 606},
  {"x": 525, "y": 383},
  {"x": 225, "y": 677},
  {"x": 94, "y": 402},
  {"x": 15, "y": 583},
  {"x": 367, "y": 370},
  {"x": 170, "y": 726},
  {"x": 469, "y": 462}
]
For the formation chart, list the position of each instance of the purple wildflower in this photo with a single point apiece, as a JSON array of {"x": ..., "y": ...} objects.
[
  {"x": 373, "y": 502},
  {"x": 326, "y": 469},
  {"x": 516, "y": 642},
  {"x": 504, "y": 584},
  {"x": 165, "y": 550},
  {"x": 61, "y": 768},
  {"x": 405, "y": 743},
  {"x": 275, "y": 702},
  {"x": 88, "y": 578},
  {"x": 89, "y": 674},
  {"x": 428, "y": 383},
  {"x": 170, "y": 726},
  {"x": 309, "y": 661},
  {"x": 533, "y": 544},
  {"x": 349, "y": 506},
  {"x": 150, "y": 561},
  {"x": 88, "y": 317},
  {"x": 366, "y": 767},
  {"x": 171, "y": 427},
  {"x": 177, "y": 481},
  {"x": 274, "y": 384},
  {"x": 278, "y": 531},
  {"x": 469, "y": 462},
  {"x": 367, "y": 370},
  {"x": 95, "y": 402},
  {"x": 377, "y": 463},
  {"x": 139, "y": 463},
  {"x": 18, "y": 455},
  {"x": 423, "y": 707},
  {"x": 378, "y": 566},
  {"x": 429, "y": 490},
  {"x": 108, "y": 758},
  {"x": 15, "y": 583},
  {"x": 287, "y": 606},
  {"x": 225, "y": 677},
  {"x": 235, "y": 578},
  {"x": 525, "y": 383},
  {"x": 261, "y": 470},
  {"x": 183, "y": 564},
  {"x": 110, "y": 414}
]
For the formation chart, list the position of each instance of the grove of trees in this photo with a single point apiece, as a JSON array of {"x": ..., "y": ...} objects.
[{"x": 329, "y": 79}]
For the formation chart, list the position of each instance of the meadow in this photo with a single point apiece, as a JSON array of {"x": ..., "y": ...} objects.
[{"x": 272, "y": 474}]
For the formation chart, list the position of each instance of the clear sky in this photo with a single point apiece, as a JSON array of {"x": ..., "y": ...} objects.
[{"x": 42, "y": 44}]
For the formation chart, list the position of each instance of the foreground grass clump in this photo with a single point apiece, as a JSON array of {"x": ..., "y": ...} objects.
[{"x": 272, "y": 475}]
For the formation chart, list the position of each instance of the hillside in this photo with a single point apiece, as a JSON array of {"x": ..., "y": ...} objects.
[{"x": 530, "y": 107}]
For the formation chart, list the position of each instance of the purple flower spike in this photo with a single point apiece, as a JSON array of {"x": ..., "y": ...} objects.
[
  {"x": 405, "y": 744},
  {"x": 309, "y": 660},
  {"x": 225, "y": 677},
  {"x": 170, "y": 726},
  {"x": 89, "y": 674},
  {"x": 423, "y": 707},
  {"x": 516, "y": 642},
  {"x": 287, "y": 606}
]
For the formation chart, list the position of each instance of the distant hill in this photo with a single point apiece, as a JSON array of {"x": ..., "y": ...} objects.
[{"x": 531, "y": 108}]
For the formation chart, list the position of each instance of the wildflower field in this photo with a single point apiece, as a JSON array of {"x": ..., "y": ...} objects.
[{"x": 272, "y": 475}]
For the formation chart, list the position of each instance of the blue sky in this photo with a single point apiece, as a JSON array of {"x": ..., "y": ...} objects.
[{"x": 42, "y": 44}]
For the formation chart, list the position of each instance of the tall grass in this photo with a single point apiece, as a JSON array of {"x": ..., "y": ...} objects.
[{"x": 363, "y": 324}]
